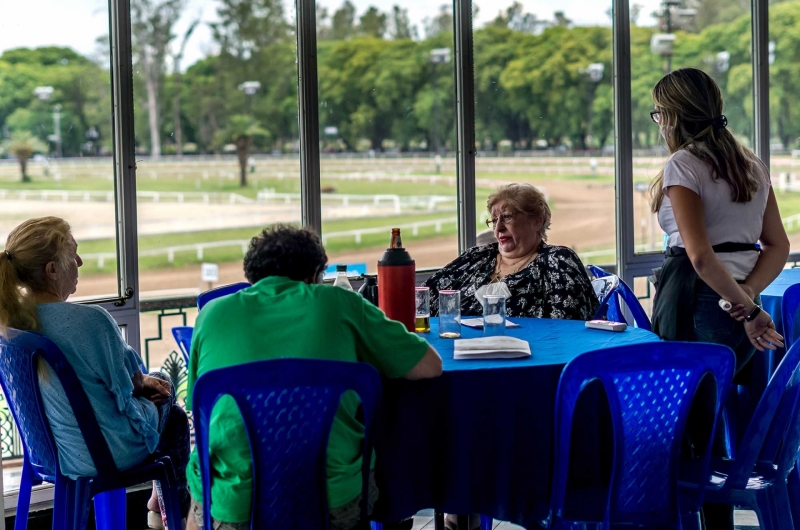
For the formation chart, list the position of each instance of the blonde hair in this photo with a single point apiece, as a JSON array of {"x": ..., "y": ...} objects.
[
  {"x": 29, "y": 248},
  {"x": 690, "y": 105},
  {"x": 526, "y": 199}
]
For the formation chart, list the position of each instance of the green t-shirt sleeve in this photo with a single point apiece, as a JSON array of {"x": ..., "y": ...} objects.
[
  {"x": 386, "y": 344},
  {"x": 194, "y": 353}
]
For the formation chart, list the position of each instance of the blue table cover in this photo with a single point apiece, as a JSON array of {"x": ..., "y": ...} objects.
[
  {"x": 479, "y": 439},
  {"x": 772, "y": 297}
]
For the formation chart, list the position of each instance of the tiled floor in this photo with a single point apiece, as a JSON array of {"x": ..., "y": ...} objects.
[{"x": 744, "y": 519}]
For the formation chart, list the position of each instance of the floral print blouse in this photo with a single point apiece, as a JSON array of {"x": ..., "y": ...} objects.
[{"x": 553, "y": 285}]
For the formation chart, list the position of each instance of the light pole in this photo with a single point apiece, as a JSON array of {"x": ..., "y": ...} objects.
[
  {"x": 662, "y": 43},
  {"x": 438, "y": 56},
  {"x": 44, "y": 93},
  {"x": 595, "y": 74},
  {"x": 250, "y": 88}
]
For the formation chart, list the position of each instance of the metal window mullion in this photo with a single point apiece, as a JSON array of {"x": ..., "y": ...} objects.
[
  {"x": 308, "y": 107},
  {"x": 760, "y": 53},
  {"x": 465, "y": 123},
  {"x": 125, "y": 162},
  {"x": 623, "y": 139}
]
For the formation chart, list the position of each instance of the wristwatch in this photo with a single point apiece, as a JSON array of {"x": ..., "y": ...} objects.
[{"x": 753, "y": 313}]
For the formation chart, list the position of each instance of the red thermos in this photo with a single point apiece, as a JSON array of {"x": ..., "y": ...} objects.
[{"x": 396, "y": 283}]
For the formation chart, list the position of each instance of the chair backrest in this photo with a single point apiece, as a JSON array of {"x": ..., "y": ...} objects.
[
  {"x": 650, "y": 390},
  {"x": 19, "y": 352},
  {"x": 774, "y": 428},
  {"x": 609, "y": 289},
  {"x": 597, "y": 272},
  {"x": 288, "y": 406},
  {"x": 183, "y": 336},
  {"x": 223, "y": 290},
  {"x": 790, "y": 303}
]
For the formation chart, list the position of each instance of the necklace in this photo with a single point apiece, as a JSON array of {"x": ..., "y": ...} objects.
[{"x": 497, "y": 274}]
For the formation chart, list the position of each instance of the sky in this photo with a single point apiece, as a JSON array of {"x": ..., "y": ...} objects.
[{"x": 78, "y": 23}]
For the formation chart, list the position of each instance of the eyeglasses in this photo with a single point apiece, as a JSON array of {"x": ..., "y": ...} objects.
[
  {"x": 507, "y": 219},
  {"x": 655, "y": 115}
]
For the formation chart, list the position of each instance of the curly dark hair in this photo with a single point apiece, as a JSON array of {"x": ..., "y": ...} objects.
[{"x": 283, "y": 250}]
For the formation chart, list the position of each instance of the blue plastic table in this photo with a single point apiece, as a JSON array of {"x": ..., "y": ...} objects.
[{"x": 479, "y": 438}]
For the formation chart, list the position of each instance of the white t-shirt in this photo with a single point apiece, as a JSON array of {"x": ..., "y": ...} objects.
[{"x": 726, "y": 221}]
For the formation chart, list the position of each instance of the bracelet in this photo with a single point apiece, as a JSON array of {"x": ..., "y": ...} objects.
[{"x": 753, "y": 313}]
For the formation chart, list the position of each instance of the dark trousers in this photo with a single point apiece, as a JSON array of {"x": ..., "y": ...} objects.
[
  {"x": 712, "y": 324},
  {"x": 173, "y": 424}
]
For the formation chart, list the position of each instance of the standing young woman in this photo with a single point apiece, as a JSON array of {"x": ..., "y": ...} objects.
[{"x": 715, "y": 201}]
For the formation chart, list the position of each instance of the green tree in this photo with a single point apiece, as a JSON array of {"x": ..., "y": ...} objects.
[
  {"x": 242, "y": 130},
  {"x": 22, "y": 145},
  {"x": 152, "y": 23},
  {"x": 373, "y": 23},
  {"x": 343, "y": 24},
  {"x": 400, "y": 25}
]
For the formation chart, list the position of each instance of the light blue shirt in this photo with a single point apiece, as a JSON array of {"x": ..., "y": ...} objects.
[{"x": 92, "y": 343}]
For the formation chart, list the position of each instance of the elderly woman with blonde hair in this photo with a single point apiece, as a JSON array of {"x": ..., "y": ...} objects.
[
  {"x": 137, "y": 413},
  {"x": 539, "y": 280}
]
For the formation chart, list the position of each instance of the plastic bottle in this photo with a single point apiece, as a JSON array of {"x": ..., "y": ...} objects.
[
  {"x": 341, "y": 278},
  {"x": 396, "y": 283},
  {"x": 369, "y": 289}
]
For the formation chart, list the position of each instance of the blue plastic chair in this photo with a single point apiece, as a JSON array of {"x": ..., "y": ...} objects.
[
  {"x": 790, "y": 303},
  {"x": 650, "y": 390},
  {"x": 19, "y": 352},
  {"x": 288, "y": 406},
  {"x": 757, "y": 477},
  {"x": 223, "y": 290},
  {"x": 610, "y": 307},
  {"x": 183, "y": 336},
  {"x": 597, "y": 272}
]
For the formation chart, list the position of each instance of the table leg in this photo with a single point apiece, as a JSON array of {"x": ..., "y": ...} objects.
[{"x": 438, "y": 520}]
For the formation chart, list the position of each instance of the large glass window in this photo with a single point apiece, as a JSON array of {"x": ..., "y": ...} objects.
[
  {"x": 544, "y": 115},
  {"x": 784, "y": 109},
  {"x": 215, "y": 87},
  {"x": 387, "y": 131},
  {"x": 702, "y": 34},
  {"x": 56, "y": 138}
]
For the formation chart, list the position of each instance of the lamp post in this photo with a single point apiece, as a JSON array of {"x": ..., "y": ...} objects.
[
  {"x": 594, "y": 73},
  {"x": 44, "y": 93},
  {"x": 662, "y": 43},
  {"x": 250, "y": 88},
  {"x": 438, "y": 56}
]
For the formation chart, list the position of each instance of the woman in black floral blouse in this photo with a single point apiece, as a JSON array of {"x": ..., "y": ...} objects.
[{"x": 545, "y": 281}]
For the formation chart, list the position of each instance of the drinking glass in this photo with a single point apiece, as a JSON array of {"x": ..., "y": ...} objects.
[
  {"x": 423, "y": 321},
  {"x": 494, "y": 315},
  {"x": 449, "y": 314}
]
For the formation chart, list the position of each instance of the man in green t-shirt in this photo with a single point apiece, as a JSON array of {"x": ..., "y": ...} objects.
[{"x": 288, "y": 313}]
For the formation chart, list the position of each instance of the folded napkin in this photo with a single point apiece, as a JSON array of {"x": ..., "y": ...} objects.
[
  {"x": 477, "y": 323},
  {"x": 491, "y": 348}
]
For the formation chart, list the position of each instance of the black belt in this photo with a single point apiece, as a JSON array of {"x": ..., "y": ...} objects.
[{"x": 722, "y": 248}]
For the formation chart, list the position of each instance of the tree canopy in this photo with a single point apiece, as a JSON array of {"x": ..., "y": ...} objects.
[{"x": 387, "y": 84}]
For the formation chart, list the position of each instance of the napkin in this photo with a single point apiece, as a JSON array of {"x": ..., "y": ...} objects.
[
  {"x": 477, "y": 323},
  {"x": 491, "y": 348}
]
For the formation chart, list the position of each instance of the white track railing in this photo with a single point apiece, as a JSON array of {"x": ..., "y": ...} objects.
[
  {"x": 200, "y": 248},
  {"x": 108, "y": 196}
]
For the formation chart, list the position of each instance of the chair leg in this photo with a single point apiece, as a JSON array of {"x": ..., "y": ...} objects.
[
  {"x": 691, "y": 521},
  {"x": 77, "y": 503},
  {"x": 438, "y": 520},
  {"x": 60, "y": 509},
  {"x": 172, "y": 504},
  {"x": 782, "y": 505},
  {"x": 486, "y": 522},
  {"x": 24, "y": 498},
  {"x": 793, "y": 490},
  {"x": 109, "y": 509}
]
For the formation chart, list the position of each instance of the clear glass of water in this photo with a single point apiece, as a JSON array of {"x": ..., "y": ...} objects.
[
  {"x": 494, "y": 316},
  {"x": 423, "y": 302},
  {"x": 449, "y": 314}
]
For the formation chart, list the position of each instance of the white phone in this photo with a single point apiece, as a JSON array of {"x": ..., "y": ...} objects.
[{"x": 606, "y": 325}]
